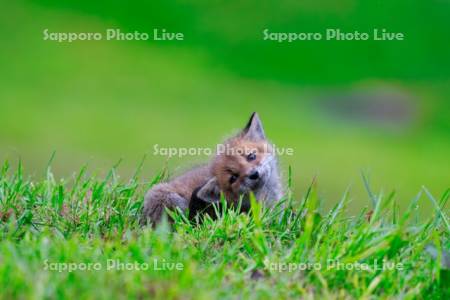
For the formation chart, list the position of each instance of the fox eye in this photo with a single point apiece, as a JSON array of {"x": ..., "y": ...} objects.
[
  {"x": 233, "y": 178},
  {"x": 251, "y": 156}
]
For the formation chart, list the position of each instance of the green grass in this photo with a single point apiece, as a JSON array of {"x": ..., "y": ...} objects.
[{"x": 87, "y": 219}]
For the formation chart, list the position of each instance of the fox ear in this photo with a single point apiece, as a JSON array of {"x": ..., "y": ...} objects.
[
  {"x": 209, "y": 192},
  {"x": 254, "y": 129}
]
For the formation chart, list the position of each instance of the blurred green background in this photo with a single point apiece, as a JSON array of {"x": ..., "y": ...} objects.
[{"x": 344, "y": 106}]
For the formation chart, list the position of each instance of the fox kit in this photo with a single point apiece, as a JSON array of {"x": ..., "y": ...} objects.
[{"x": 243, "y": 164}]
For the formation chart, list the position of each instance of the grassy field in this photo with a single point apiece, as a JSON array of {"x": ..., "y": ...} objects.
[
  {"x": 346, "y": 108},
  {"x": 79, "y": 238}
]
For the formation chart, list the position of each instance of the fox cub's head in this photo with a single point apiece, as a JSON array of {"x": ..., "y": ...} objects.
[{"x": 243, "y": 164}]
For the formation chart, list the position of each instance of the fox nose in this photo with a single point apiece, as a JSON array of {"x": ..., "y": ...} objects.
[{"x": 254, "y": 175}]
